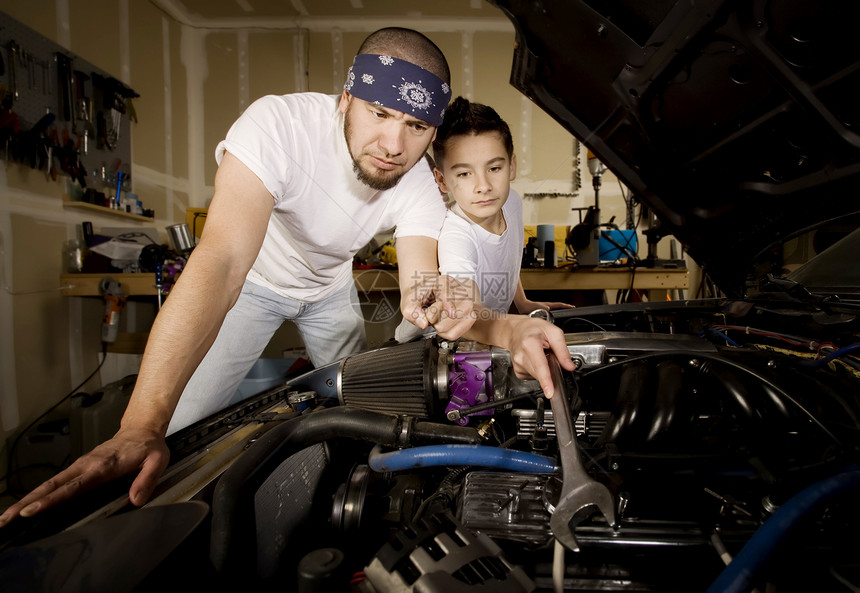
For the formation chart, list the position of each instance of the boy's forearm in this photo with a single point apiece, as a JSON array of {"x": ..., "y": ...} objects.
[
  {"x": 491, "y": 327},
  {"x": 520, "y": 298}
]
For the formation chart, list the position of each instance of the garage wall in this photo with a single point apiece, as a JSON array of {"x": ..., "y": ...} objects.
[
  {"x": 193, "y": 83},
  {"x": 50, "y": 343}
]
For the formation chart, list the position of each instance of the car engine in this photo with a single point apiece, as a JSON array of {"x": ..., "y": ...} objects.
[
  {"x": 707, "y": 445},
  {"x": 698, "y": 437}
]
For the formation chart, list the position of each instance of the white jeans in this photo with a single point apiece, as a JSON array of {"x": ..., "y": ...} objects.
[{"x": 330, "y": 329}]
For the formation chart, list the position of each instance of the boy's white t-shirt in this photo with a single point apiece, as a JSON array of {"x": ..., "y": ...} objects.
[
  {"x": 468, "y": 251},
  {"x": 323, "y": 214}
]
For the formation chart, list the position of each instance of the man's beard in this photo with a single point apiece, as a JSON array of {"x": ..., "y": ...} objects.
[{"x": 379, "y": 182}]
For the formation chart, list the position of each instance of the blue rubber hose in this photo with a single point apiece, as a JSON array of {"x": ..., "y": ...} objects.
[
  {"x": 739, "y": 574},
  {"x": 835, "y": 354},
  {"x": 477, "y": 455}
]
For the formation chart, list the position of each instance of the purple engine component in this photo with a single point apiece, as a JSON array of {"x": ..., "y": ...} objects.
[
  {"x": 171, "y": 271},
  {"x": 470, "y": 383}
]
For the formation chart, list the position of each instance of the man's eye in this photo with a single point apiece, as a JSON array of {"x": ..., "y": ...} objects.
[
  {"x": 380, "y": 115},
  {"x": 419, "y": 127}
]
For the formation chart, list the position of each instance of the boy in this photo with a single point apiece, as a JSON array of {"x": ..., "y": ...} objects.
[{"x": 481, "y": 241}]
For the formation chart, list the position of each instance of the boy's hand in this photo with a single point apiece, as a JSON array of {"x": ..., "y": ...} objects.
[
  {"x": 528, "y": 339},
  {"x": 527, "y": 306}
]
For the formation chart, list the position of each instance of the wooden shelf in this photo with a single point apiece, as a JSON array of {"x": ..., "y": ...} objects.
[
  {"x": 384, "y": 280},
  {"x": 605, "y": 279},
  {"x": 88, "y": 284},
  {"x": 104, "y": 210},
  {"x": 380, "y": 280}
]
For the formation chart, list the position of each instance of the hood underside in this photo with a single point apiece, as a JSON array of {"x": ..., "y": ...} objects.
[{"x": 735, "y": 121}]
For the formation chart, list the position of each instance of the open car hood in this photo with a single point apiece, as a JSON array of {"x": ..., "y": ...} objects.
[{"x": 736, "y": 122}]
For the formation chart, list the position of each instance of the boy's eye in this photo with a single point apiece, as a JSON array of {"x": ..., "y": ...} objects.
[{"x": 463, "y": 174}]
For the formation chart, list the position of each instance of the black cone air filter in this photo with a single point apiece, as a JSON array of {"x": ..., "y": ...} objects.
[{"x": 394, "y": 380}]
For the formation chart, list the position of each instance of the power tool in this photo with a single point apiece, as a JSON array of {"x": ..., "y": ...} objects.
[{"x": 114, "y": 302}]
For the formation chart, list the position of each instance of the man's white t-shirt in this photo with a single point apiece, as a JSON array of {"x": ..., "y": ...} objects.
[
  {"x": 323, "y": 214},
  {"x": 468, "y": 251}
]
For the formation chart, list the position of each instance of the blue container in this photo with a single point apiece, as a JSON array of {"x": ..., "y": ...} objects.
[
  {"x": 626, "y": 240},
  {"x": 265, "y": 374}
]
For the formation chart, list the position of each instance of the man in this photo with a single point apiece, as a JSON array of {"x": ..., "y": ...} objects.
[
  {"x": 338, "y": 171},
  {"x": 303, "y": 182}
]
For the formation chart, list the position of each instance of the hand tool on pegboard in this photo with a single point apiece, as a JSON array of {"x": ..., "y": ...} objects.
[{"x": 115, "y": 299}]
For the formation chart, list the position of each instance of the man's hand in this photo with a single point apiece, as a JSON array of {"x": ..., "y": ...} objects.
[
  {"x": 426, "y": 298},
  {"x": 129, "y": 451},
  {"x": 443, "y": 302},
  {"x": 452, "y": 312}
]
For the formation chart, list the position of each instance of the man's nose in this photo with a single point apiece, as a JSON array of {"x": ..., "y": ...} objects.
[{"x": 391, "y": 139}]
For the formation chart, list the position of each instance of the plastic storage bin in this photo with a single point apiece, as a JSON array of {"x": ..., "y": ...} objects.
[
  {"x": 610, "y": 252},
  {"x": 265, "y": 374}
]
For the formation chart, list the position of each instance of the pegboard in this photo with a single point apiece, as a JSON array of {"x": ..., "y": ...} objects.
[{"x": 55, "y": 103}]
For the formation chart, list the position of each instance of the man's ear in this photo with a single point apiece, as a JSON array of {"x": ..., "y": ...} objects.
[
  {"x": 344, "y": 101},
  {"x": 513, "y": 167},
  {"x": 440, "y": 180}
]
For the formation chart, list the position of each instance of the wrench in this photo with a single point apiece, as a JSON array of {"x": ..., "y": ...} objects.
[{"x": 581, "y": 496}]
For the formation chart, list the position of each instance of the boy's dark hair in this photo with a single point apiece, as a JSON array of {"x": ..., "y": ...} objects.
[
  {"x": 462, "y": 118},
  {"x": 409, "y": 45}
]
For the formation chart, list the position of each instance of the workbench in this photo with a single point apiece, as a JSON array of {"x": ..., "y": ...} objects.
[
  {"x": 657, "y": 281},
  {"x": 373, "y": 283}
]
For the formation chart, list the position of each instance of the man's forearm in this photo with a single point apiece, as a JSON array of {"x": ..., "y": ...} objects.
[
  {"x": 208, "y": 287},
  {"x": 417, "y": 270},
  {"x": 181, "y": 335}
]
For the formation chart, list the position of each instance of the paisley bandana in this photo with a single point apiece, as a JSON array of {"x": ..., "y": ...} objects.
[{"x": 398, "y": 84}]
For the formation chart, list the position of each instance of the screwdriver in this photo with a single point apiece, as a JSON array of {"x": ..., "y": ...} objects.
[{"x": 158, "y": 282}]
